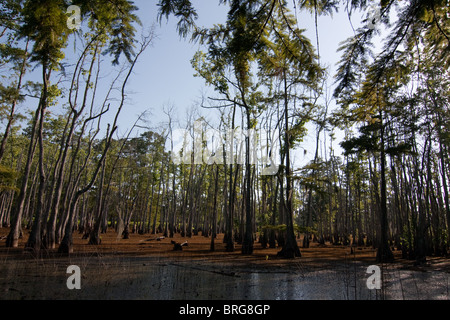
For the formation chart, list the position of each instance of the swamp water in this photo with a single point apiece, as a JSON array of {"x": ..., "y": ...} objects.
[{"x": 156, "y": 279}]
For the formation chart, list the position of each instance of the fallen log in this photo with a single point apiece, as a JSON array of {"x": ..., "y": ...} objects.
[{"x": 157, "y": 239}]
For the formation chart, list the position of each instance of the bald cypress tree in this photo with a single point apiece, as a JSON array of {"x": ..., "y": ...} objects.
[
  {"x": 289, "y": 59},
  {"x": 44, "y": 24}
]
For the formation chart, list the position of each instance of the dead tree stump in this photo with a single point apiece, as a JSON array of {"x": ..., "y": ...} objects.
[{"x": 178, "y": 246}]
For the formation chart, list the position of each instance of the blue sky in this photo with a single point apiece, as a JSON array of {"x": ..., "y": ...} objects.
[{"x": 164, "y": 76}]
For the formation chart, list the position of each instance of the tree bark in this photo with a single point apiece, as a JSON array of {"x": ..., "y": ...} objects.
[
  {"x": 290, "y": 248},
  {"x": 247, "y": 244},
  {"x": 384, "y": 253},
  {"x": 229, "y": 235},
  {"x": 12, "y": 239},
  {"x": 14, "y": 103},
  {"x": 34, "y": 240},
  {"x": 214, "y": 218}
]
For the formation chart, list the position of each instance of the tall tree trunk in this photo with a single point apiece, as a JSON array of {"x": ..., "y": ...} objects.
[
  {"x": 274, "y": 207},
  {"x": 94, "y": 235},
  {"x": 66, "y": 245},
  {"x": 150, "y": 210},
  {"x": 12, "y": 239},
  {"x": 34, "y": 240},
  {"x": 14, "y": 103},
  {"x": 184, "y": 189},
  {"x": 384, "y": 253},
  {"x": 173, "y": 206},
  {"x": 155, "y": 217},
  {"x": 229, "y": 235},
  {"x": 313, "y": 174},
  {"x": 55, "y": 203},
  {"x": 290, "y": 248},
  {"x": 444, "y": 175},
  {"x": 247, "y": 244},
  {"x": 214, "y": 217}
]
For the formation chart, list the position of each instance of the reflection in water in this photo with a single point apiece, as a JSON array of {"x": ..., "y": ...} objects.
[
  {"x": 156, "y": 280},
  {"x": 175, "y": 282}
]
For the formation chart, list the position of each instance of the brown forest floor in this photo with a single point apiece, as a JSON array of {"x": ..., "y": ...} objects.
[{"x": 198, "y": 249}]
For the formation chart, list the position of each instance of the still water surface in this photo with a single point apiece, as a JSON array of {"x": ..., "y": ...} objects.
[{"x": 150, "y": 279}]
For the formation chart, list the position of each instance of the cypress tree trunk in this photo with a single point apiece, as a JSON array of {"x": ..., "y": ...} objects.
[
  {"x": 247, "y": 244},
  {"x": 444, "y": 176},
  {"x": 214, "y": 218},
  {"x": 229, "y": 235},
  {"x": 94, "y": 235},
  {"x": 290, "y": 248},
  {"x": 12, "y": 239},
  {"x": 384, "y": 253},
  {"x": 14, "y": 103},
  {"x": 34, "y": 240}
]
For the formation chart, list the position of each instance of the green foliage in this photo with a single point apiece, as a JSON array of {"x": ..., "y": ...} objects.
[
  {"x": 9, "y": 13},
  {"x": 261, "y": 62},
  {"x": 45, "y": 23},
  {"x": 7, "y": 179},
  {"x": 211, "y": 71},
  {"x": 305, "y": 230},
  {"x": 115, "y": 19},
  {"x": 181, "y": 9},
  {"x": 9, "y": 53},
  {"x": 414, "y": 18},
  {"x": 8, "y": 95},
  {"x": 282, "y": 228},
  {"x": 323, "y": 7},
  {"x": 362, "y": 143}
]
